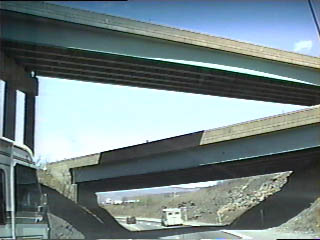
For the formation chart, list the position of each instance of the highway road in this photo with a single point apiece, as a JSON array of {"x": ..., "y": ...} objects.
[
  {"x": 267, "y": 234},
  {"x": 149, "y": 225},
  {"x": 204, "y": 235}
]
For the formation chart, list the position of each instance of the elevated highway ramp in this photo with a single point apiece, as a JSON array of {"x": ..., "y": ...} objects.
[{"x": 286, "y": 142}]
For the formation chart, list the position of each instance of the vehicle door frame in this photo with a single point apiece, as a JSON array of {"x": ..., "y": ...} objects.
[{"x": 6, "y": 167}]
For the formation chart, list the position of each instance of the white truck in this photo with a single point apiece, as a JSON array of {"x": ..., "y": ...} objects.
[
  {"x": 23, "y": 209},
  {"x": 171, "y": 217}
]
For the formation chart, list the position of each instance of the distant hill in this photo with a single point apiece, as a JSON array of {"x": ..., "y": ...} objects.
[{"x": 118, "y": 195}]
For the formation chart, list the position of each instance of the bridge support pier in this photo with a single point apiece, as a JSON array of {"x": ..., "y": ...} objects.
[
  {"x": 9, "y": 116},
  {"x": 29, "y": 120},
  {"x": 18, "y": 78}
]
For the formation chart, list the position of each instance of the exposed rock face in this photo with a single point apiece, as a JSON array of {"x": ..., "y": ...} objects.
[
  {"x": 61, "y": 183},
  {"x": 218, "y": 205},
  {"x": 248, "y": 194}
]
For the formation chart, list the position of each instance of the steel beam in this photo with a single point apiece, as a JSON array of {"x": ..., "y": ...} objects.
[
  {"x": 129, "y": 71},
  {"x": 289, "y": 140},
  {"x": 290, "y": 161}
]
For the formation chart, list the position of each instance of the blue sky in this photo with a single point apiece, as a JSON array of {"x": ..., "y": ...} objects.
[
  {"x": 281, "y": 24},
  {"x": 77, "y": 118}
]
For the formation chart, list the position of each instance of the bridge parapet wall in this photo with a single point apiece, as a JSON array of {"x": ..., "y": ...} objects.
[{"x": 263, "y": 125}]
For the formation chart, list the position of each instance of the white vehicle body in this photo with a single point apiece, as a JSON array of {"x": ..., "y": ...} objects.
[
  {"x": 171, "y": 217},
  {"x": 132, "y": 201},
  {"x": 22, "y": 206},
  {"x": 117, "y": 202},
  {"x": 108, "y": 201}
]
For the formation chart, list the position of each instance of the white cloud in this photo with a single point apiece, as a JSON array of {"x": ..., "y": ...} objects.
[{"x": 303, "y": 46}]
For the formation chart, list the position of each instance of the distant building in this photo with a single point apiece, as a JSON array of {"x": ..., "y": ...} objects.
[
  {"x": 132, "y": 201},
  {"x": 108, "y": 201},
  {"x": 117, "y": 202}
]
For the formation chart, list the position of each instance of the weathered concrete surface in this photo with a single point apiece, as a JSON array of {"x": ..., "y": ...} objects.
[
  {"x": 156, "y": 31},
  {"x": 264, "y": 125}
]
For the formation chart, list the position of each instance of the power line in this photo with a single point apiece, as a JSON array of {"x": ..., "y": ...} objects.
[{"x": 316, "y": 21}]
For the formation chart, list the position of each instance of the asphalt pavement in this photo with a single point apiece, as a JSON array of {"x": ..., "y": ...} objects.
[
  {"x": 148, "y": 225},
  {"x": 267, "y": 234}
]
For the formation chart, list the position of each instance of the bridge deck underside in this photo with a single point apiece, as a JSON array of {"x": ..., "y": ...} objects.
[
  {"x": 299, "y": 192},
  {"x": 107, "y": 68},
  {"x": 291, "y": 161}
]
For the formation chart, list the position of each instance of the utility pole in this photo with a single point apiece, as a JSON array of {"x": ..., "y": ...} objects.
[{"x": 315, "y": 11}]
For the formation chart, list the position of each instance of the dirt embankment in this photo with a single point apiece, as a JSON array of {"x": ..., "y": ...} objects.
[
  {"x": 60, "y": 229},
  {"x": 220, "y": 204},
  {"x": 307, "y": 221}
]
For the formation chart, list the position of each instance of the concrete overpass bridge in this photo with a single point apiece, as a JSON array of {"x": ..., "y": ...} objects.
[
  {"x": 41, "y": 39},
  {"x": 286, "y": 142}
]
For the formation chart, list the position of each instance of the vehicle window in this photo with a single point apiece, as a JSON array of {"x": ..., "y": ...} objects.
[
  {"x": 27, "y": 189},
  {"x": 2, "y": 197}
]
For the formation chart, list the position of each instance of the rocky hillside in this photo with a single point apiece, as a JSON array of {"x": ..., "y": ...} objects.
[
  {"x": 220, "y": 204},
  {"x": 307, "y": 221}
]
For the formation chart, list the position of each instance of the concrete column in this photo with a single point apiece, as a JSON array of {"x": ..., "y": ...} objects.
[
  {"x": 9, "y": 116},
  {"x": 29, "y": 120}
]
